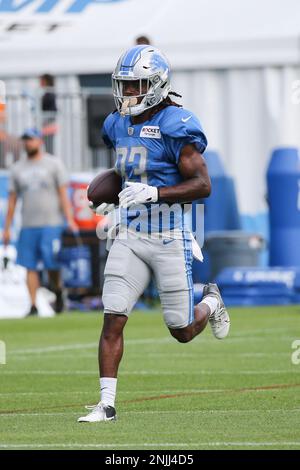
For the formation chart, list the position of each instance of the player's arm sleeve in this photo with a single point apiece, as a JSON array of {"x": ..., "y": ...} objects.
[
  {"x": 184, "y": 130},
  {"x": 107, "y": 132}
]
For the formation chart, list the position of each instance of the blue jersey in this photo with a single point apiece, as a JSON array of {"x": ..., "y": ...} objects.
[{"x": 149, "y": 153}]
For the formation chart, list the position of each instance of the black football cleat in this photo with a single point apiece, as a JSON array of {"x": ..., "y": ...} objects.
[{"x": 32, "y": 312}]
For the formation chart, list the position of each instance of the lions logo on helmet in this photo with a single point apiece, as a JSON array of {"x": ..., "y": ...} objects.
[{"x": 141, "y": 63}]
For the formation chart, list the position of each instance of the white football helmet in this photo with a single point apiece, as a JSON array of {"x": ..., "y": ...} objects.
[{"x": 141, "y": 63}]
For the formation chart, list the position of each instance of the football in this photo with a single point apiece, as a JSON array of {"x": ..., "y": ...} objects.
[{"x": 105, "y": 187}]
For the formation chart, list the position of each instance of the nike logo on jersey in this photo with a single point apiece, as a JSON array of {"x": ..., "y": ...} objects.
[
  {"x": 186, "y": 119},
  {"x": 151, "y": 132},
  {"x": 166, "y": 242}
]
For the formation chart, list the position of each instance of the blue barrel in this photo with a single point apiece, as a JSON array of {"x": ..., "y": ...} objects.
[
  {"x": 3, "y": 199},
  {"x": 220, "y": 210},
  {"x": 283, "y": 181}
]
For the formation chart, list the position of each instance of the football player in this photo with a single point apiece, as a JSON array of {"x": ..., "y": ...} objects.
[{"x": 159, "y": 147}]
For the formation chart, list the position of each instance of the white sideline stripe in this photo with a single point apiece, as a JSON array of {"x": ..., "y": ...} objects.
[
  {"x": 261, "y": 331},
  {"x": 167, "y": 339},
  {"x": 154, "y": 445},
  {"x": 120, "y": 392},
  {"x": 195, "y": 355},
  {"x": 155, "y": 354},
  {"x": 153, "y": 412},
  {"x": 66, "y": 347},
  {"x": 153, "y": 372},
  {"x": 69, "y": 347},
  {"x": 143, "y": 394},
  {"x": 241, "y": 339}
]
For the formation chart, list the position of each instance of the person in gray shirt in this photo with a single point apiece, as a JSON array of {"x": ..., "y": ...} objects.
[{"x": 40, "y": 181}]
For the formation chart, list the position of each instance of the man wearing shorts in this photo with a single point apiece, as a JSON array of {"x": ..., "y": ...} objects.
[{"x": 40, "y": 182}]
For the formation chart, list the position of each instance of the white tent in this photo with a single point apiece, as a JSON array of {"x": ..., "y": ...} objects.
[
  {"x": 236, "y": 63},
  {"x": 73, "y": 36}
]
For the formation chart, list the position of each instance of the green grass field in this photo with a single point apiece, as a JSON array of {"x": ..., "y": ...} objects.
[{"x": 240, "y": 393}]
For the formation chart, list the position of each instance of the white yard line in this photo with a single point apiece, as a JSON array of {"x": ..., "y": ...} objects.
[
  {"x": 208, "y": 354},
  {"x": 153, "y": 412},
  {"x": 260, "y": 331},
  {"x": 81, "y": 346},
  {"x": 167, "y": 339},
  {"x": 293, "y": 371},
  {"x": 27, "y": 357},
  {"x": 66, "y": 347},
  {"x": 154, "y": 445},
  {"x": 120, "y": 392}
]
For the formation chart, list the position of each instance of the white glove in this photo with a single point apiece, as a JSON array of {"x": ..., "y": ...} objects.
[
  {"x": 137, "y": 193},
  {"x": 103, "y": 209}
]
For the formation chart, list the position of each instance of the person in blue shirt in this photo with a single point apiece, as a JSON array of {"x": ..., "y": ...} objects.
[{"x": 159, "y": 147}]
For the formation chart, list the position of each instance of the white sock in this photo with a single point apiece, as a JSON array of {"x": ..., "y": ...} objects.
[
  {"x": 108, "y": 387},
  {"x": 211, "y": 302}
]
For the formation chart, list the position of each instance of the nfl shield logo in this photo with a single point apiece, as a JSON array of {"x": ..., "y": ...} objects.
[{"x": 130, "y": 130}]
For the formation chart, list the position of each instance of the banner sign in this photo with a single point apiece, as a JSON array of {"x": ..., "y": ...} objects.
[{"x": 47, "y": 6}]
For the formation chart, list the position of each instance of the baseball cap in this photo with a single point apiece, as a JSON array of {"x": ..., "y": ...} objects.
[{"x": 31, "y": 133}]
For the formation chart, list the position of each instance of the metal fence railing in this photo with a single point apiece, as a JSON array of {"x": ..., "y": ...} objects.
[{"x": 65, "y": 130}]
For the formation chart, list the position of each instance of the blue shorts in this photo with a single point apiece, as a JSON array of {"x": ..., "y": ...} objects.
[{"x": 38, "y": 245}]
